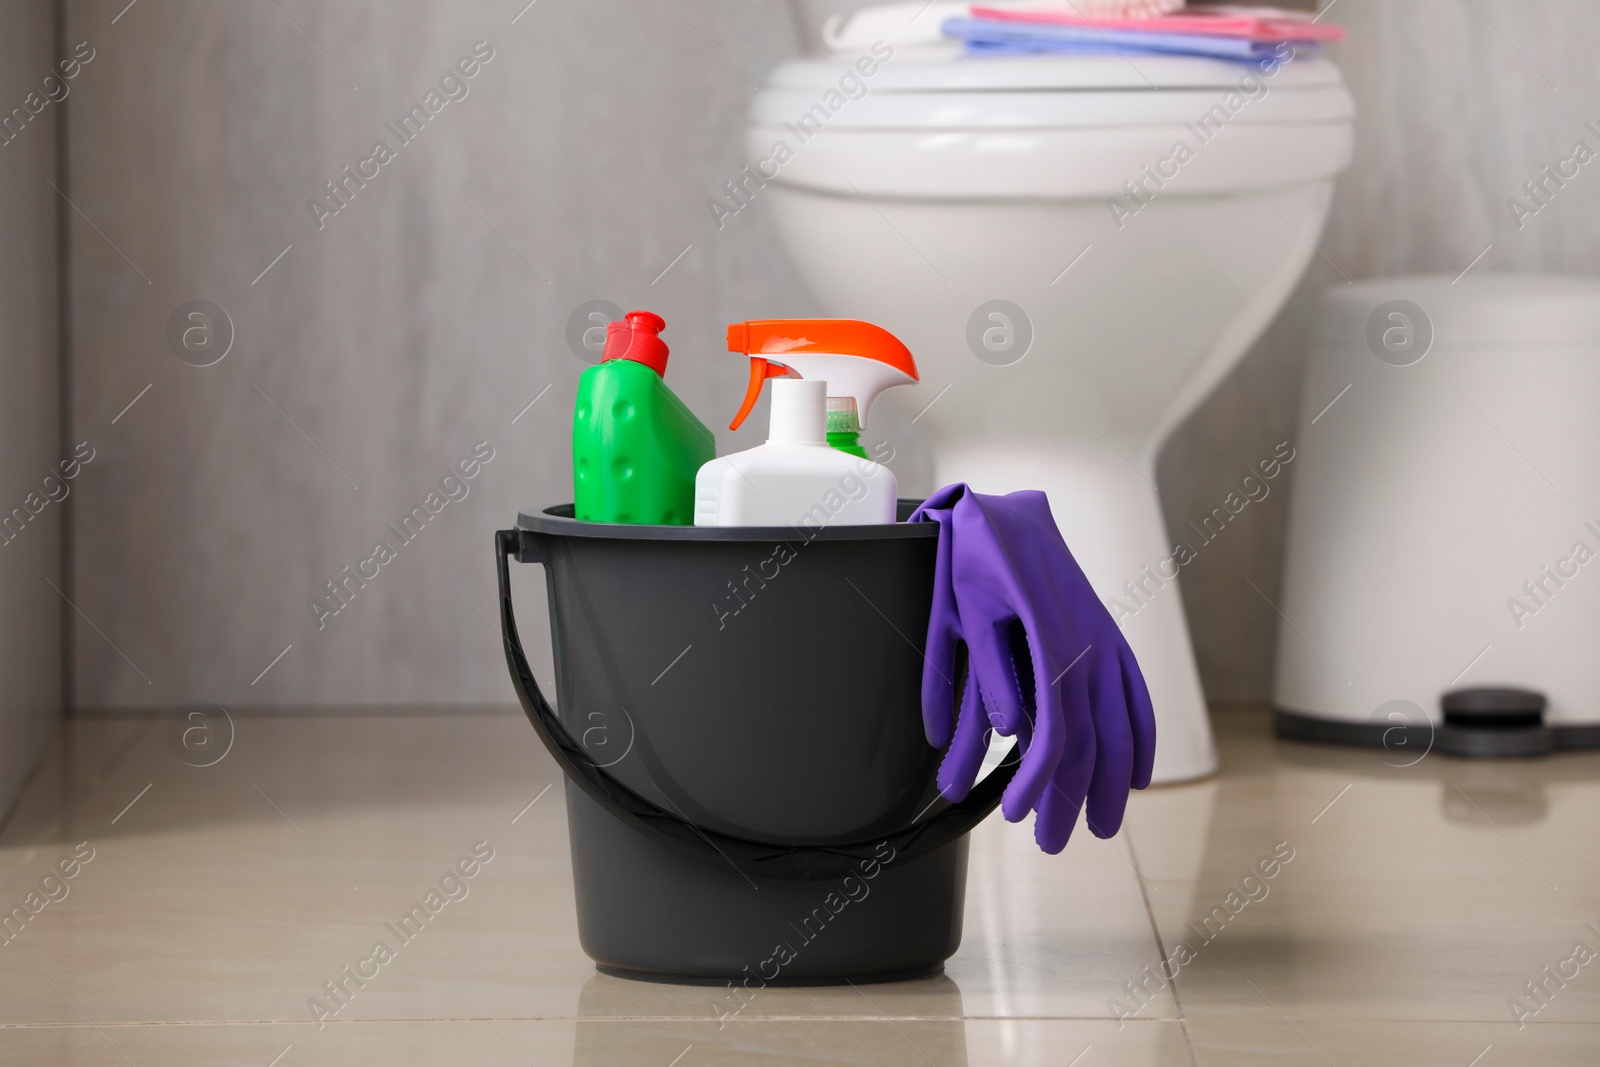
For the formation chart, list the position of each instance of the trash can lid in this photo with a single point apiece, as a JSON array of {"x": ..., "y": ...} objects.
[{"x": 1511, "y": 311}]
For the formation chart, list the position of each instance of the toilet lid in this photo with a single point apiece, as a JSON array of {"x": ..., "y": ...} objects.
[{"x": 940, "y": 88}]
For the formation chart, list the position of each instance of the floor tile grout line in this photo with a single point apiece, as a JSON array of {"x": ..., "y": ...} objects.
[
  {"x": 862, "y": 1017},
  {"x": 1155, "y": 931},
  {"x": 1142, "y": 1021}
]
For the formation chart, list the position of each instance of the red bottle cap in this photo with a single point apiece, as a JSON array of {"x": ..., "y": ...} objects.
[{"x": 636, "y": 336}]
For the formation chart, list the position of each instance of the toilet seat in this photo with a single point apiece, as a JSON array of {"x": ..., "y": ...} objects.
[
  {"x": 1071, "y": 109},
  {"x": 1052, "y": 92},
  {"x": 934, "y": 125},
  {"x": 947, "y": 67}
]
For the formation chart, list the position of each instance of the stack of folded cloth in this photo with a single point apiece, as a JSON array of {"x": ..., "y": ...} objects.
[{"x": 1243, "y": 34}]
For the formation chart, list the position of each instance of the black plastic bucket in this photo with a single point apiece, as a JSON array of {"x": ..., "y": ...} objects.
[{"x": 749, "y": 793}]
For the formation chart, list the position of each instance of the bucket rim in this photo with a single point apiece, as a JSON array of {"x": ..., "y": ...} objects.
[{"x": 556, "y": 520}]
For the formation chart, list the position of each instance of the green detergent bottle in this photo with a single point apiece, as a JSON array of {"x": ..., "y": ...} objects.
[{"x": 635, "y": 447}]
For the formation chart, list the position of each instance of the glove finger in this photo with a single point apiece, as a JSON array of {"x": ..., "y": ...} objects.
[
  {"x": 991, "y": 660},
  {"x": 1059, "y": 806},
  {"x": 959, "y": 768},
  {"x": 1141, "y": 719},
  {"x": 938, "y": 680},
  {"x": 1113, "y": 746},
  {"x": 1024, "y": 738},
  {"x": 939, "y": 656},
  {"x": 1045, "y": 711},
  {"x": 989, "y": 650}
]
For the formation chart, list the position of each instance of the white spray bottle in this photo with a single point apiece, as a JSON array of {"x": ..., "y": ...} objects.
[{"x": 812, "y": 472}]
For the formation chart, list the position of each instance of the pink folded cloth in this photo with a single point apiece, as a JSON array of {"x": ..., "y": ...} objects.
[{"x": 1248, "y": 23}]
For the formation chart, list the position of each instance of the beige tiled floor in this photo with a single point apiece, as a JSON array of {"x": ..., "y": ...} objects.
[{"x": 1417, "y": 902}]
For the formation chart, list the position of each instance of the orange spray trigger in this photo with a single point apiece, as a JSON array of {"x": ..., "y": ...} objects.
[
  {"x": 858, "y": 360},
  {"x": 760, "y": 370}
]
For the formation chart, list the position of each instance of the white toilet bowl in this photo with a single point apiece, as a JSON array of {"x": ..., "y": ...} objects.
[{"x": 915, "y": 194}]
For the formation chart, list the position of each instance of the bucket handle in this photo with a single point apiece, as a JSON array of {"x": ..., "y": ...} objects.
[{"x": 771, "y": 859}]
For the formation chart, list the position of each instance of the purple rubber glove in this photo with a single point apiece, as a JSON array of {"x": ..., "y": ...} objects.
[{"x": 1048, "y": 660}]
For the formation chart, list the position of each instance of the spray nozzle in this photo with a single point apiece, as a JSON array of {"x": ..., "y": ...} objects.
[
  {"x": 637, "y": 337},
  {"x": 857, "y": 359}
]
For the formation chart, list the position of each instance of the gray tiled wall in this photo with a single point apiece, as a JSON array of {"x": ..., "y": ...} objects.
[
  {"x": 30, "y": 442},
  {"x": 427, "y": 313}
]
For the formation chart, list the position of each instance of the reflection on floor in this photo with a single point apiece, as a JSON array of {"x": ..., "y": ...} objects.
[{"x": 1316, "y": 905}]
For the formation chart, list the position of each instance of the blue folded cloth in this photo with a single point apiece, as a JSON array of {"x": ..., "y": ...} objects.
[{"x": 1004, "y": 37}]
